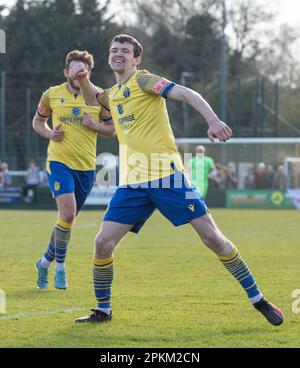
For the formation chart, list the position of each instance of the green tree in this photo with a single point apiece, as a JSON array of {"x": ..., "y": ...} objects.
[
  {"x": 202, "y": 44},
  {"x": 39, "y": 35}
]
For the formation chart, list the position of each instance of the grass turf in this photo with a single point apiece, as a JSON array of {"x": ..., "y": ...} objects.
[{"x": 169, "y": 290}]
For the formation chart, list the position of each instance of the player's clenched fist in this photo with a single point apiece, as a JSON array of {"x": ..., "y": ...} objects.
[
  {"x": 219, "y": 130},
  {"x": 78, "y": 70},
  {"x": 88, "y": 122},
  {"x": 56, "y": 134}
]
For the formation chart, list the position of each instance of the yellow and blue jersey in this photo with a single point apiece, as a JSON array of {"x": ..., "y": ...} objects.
[
  {"x": 147, "y": 143},
  {"x": 77, "y": 150}
]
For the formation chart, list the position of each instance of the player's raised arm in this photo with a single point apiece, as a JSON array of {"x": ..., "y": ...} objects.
[
  {"x": 88, "y": 89},
  {"x": 216, "y": 128}
]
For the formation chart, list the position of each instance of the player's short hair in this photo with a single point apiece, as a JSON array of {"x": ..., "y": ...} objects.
[
  {"x": 83, "y": 56},
  {"x": 137, "y": 47},
  {"x": 200, "y": 148}
]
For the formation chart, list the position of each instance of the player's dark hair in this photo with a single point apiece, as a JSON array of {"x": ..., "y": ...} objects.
[
  {"x": 137, "y": 47},
  {"x": 83, "y": 56}
]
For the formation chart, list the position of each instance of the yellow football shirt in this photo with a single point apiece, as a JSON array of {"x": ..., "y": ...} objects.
[
  {"x": 77, "y": 150},
  {"x": 147, "y": 144}
]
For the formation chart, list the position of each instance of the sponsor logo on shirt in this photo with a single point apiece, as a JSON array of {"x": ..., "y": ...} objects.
[
  {"x": 127, "y": 121},
  {"x": 120, "y": 109},
  {"x": 126, "y": 92},
  {"x": 71, "y": 121},
  {"x": 76, "y": 111}
]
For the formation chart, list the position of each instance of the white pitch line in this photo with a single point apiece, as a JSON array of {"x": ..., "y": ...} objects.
[{"x": 42, "y": 313}]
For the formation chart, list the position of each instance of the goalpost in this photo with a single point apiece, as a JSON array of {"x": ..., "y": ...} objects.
[{"x": 245, "y": 152}]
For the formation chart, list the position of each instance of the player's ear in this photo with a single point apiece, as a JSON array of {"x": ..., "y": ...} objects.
[
  {"x": 138, "y": 61},
  {"x": 66, "y": 72}
]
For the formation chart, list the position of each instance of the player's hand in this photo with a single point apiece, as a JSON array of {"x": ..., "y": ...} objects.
[
  {"x": 78, "y": 71},
  {"x": 88, "y": 122},
  {"x": 57, "y": 134},
  {"x": 218, "y": 129}
]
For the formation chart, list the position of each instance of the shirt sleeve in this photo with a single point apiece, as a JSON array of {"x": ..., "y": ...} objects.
[
  {"x": 105, "y": 115},
  {"x": 102, "y": 98},
  {"x": 44, "y": 109},
  {"x": 211, "y": 163},
  {"x": 154, "y": 84}
]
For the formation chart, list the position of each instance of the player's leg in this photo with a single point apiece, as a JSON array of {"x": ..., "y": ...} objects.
[
  {"x": 61, "y": 184},
  {"x": 230, "y": 257},
  {"x": 77, "y": 188},
  {"x": 211, "y": 236},
  {"x": 66, "y": 205},
  {"x": 128, "y": 210},
  {"x": 42, "y": 264},
  {"x": 106, "y": 241},
  {"x": 183, "y": 204}
]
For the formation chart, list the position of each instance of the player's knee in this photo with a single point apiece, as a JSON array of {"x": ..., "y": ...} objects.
[
  {"x": 104, "y": 246},
  {"x": 214, "y": 240},
  {"x": 68, "y": 216}
]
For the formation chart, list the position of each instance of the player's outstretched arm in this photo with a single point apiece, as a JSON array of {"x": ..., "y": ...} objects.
[
  {"x": 88, "y": 90},
  {"x": 216, "y": 128}
]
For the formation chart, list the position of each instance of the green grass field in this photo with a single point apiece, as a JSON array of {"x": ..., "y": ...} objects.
[{"x": 169, "y": 290}]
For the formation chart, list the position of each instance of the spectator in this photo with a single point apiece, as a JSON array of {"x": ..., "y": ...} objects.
[
  {"x": 43, "y": 178},
  {"x": 281, "y": 179},
  {"x": 32, "y": 181},
  {"x": 270, "y": 175},
  {"x": 295, "y": 176},
  {"x": 1, "y": 176},
  {"x": 260, "y": 176},
  {"x": 249, "y": 182},
  {"x": 218, "y": 179},
  {"x": 231, "y": 178},
  {"x": 7, "y": 179}
]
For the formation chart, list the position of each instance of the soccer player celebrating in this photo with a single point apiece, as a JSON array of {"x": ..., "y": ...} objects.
[
  {"x": 153, "y": 173},
  {"x": 71, "y": 158}
]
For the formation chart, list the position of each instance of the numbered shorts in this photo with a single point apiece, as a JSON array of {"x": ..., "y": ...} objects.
[
  {"x": 63, "y": 180},
  {"x": 173, "y": 196}
]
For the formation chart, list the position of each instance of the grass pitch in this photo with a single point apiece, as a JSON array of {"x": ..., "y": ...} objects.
[{"x": 169, "y": 289}]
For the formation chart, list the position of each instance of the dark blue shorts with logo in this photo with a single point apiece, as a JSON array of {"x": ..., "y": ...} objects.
[
  {"x": 63, "y": 180},
  {"x": 173, "y": 196}
]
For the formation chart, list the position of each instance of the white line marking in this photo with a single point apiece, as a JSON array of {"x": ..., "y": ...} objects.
[{"x": 42, "y": 313}]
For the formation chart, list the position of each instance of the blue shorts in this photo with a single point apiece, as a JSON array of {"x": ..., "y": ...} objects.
[
  {"x": 63, "y": 180},
  {"x": 173, "y": 196}
]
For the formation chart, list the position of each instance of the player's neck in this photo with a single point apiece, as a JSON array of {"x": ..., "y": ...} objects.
[
  {"x": 121, "y": 78},
  {"x": 72, "y": 90}
]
